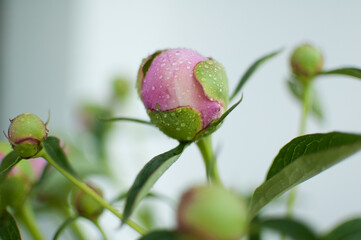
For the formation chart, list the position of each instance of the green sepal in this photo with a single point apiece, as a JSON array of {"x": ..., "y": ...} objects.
[
  {"x": 215, "y": 124},
  {"x": 181, "y": 123},
  {"x": 213, "y": 79}
]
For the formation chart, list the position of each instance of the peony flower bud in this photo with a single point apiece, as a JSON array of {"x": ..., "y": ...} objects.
[
  {"x": 85, "y": 205},
  {"x": 182, "y": 91},
  {"x": 306, "y": 61},
  {"x": 212, "y": 213},
  {"x": 25, "y": 134}
]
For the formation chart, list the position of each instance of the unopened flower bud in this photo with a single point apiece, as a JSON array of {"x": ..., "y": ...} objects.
[
  {"x": 85, "y": 205},
  {"x": 306, "y": 61},
  {"x": 25, "y": 134},
  {"x": 212, "y": 213},
  {"x": 121, "y": 88},
  {"x": 182, "y": 91}
]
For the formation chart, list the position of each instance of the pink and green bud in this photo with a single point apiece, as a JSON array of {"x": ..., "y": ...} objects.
[
  {"x": 85, "y": 205},
  {"x": 306, "y": 61},
  {"x": 182, "y": 91},
  {"x": 25, "y": 134},
  {"x": 212, "y": 213}
]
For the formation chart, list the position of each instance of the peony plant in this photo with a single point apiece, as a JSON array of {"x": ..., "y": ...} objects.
[{"x": 186, "y": 96}]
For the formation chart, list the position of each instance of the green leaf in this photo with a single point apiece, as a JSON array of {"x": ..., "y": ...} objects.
[
  {"x": 161, "y": 235},
  {"x": 146, "y": 178},
  {"x": 349, "y": 230},
  {"x": 296, "y": 87},
  {"x": 9, "y": 161},
  {"x": 288, "y": 227},
  {"x": 126, "y": 119},
  {"x": 54, "y": 150},
  {"x": 8, "y": 227},
  {"x": 251, "y": 70},
  {"x": 301, "y": 159},
  {"x": 347, "y": 71},
  {"x": 217, "y": 123}
]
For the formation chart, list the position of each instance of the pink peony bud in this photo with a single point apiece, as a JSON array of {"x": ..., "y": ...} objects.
[{"x": 182, "y": 91}]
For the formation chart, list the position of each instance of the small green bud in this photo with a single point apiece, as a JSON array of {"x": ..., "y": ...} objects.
[
  {"x": 13, "y": 192},
  {"x": 25, "y": 134},
  {"x": 212, "y": 213},
  {"x": 86, "y": 206},
  {"x": 306, "y": 61},
  {"x": 121, "y": 88}
]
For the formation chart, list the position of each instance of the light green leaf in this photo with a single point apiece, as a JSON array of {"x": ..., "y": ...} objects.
[
  {"x": 250, "y": 71},
  {"x": 347, "y": 71},
  {"x": 301, "y": 159},
  {"x": 349, "y": 230},
  {"x": 8, "y": 227},
  {"x": 146, "y": 178}
]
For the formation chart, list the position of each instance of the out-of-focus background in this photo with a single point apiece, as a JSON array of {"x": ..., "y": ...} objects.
[{"x": 57, "y": 54}]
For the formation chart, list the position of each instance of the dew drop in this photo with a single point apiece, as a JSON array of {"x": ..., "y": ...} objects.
[
  {"x": 153, "y": 88},
  {"x": 188, "y": 67},
  {"x": 178, "y": 129},
  {"x": 183, "y": 124}
]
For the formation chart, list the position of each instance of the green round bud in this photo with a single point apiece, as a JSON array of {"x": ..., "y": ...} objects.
[
  {"x": 13, "y": 192},
  {"x": 212, "y": 213},
  {"x": 121, "y": 88},
  {"x": 86, "y": 206},
  {"x": 306, "y": 61},
  {"x": 26, "y": 132}
]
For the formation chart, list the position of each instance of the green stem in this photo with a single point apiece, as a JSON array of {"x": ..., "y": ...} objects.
[
  {"x": 306, "y": 104},
  {"x": 93, "y": 194},
  {"x": 26, "y": 214},
  {"x": 100, "y": 230},
  {"x": 205, "y": 147}
]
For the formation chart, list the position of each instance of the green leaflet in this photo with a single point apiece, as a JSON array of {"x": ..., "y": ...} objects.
[
  {"x": 251, "y": 70},
  {"x": 146, "y": 178},
  {"x": 347, "y": 71},
  {"x": 301, "y": 159},
  {"x": 349, "y": 230}
]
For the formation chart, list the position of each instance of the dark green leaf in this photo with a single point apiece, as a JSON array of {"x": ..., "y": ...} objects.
[
  {"x": 251, "y": 70},
  {"x": 53, "y": 148},
  {"x": 161, "y": 235},
  {"x": 9, "y": 161},
  {"x": 126, "y": 119},
  {"x": 122, "y": 196},
  {"x": 8, "y": 227},
  {"x": 348, "y": 71},
  {"x": 217, "y": 123},
  {"x": 289, "y": 227},
  {"x": 301, "y": 159},
  {"x": 349, "y": 230},
  {"x": 148, "y": 176},
  {"x": 296, "y": 88}
]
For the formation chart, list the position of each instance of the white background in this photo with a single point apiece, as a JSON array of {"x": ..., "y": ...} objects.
[{"x": 58, "y": 53}]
